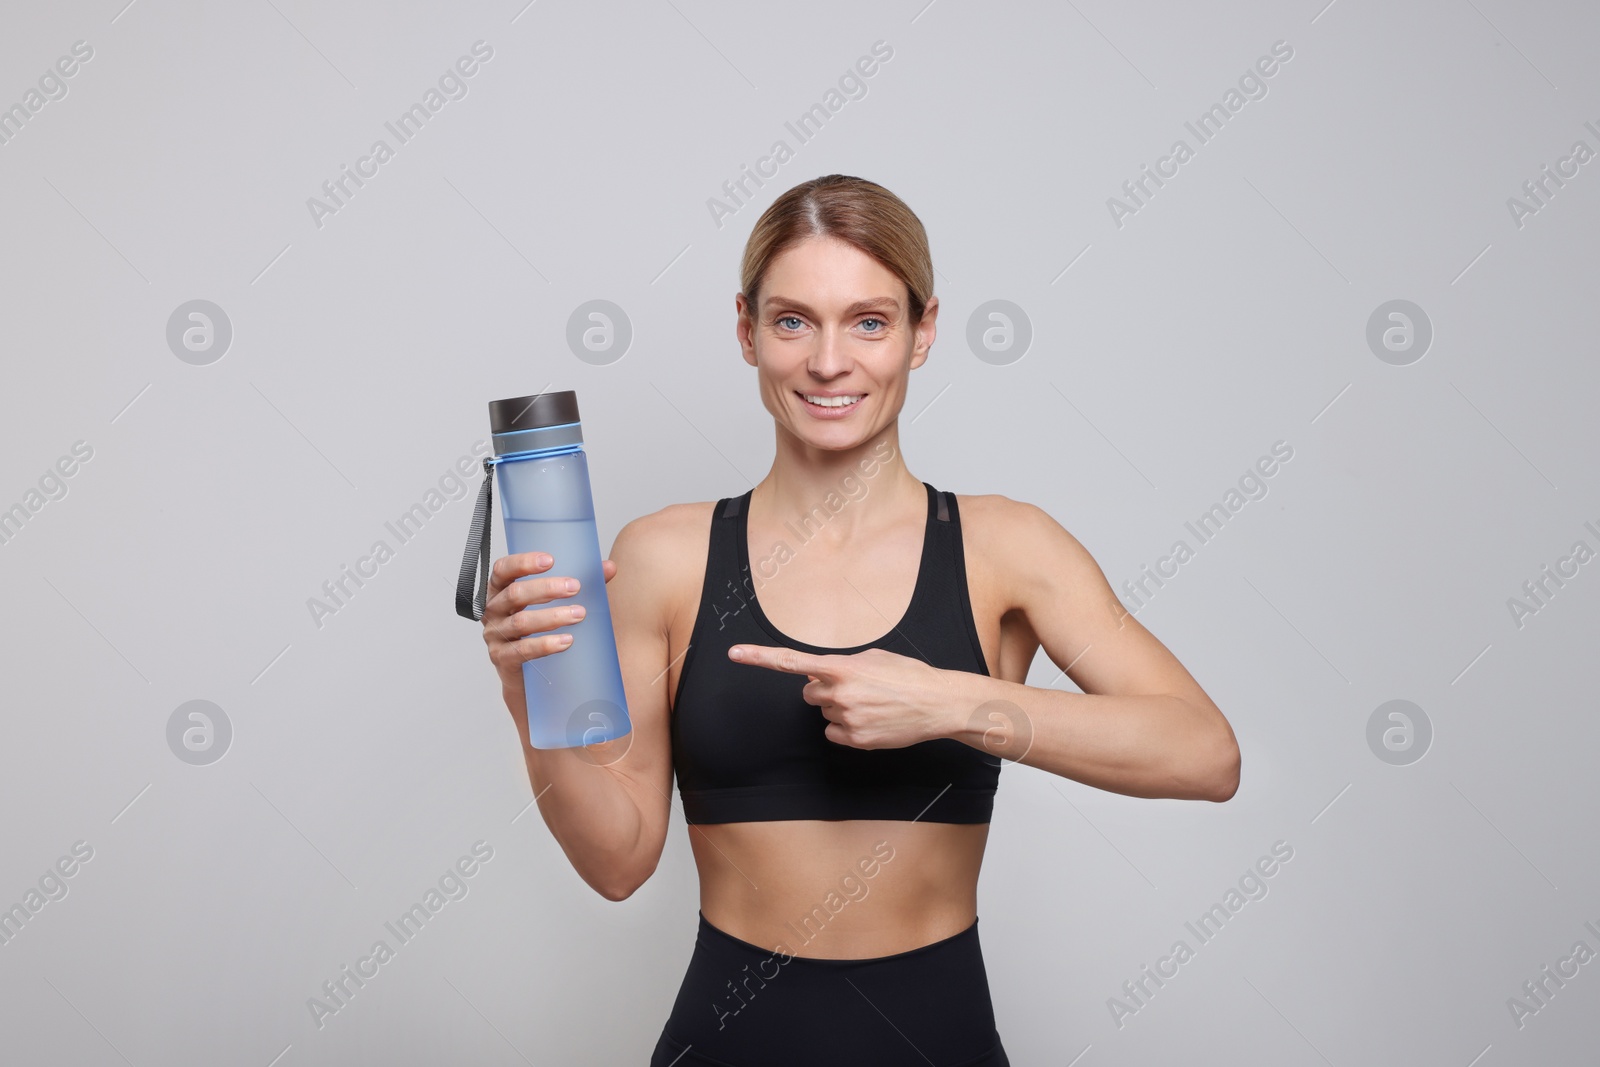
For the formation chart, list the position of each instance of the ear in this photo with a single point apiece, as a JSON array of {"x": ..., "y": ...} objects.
[
  {"x": 926, "y": 330},
  {"x": 744, "y": 328}
]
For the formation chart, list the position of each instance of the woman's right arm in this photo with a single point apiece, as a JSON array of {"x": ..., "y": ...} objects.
[{"x": 606, "y": 804}]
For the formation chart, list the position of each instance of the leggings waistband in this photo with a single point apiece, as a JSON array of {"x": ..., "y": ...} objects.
[
  {"x": 708, "y": 932},
  {"x": 742, "y": 1005}
]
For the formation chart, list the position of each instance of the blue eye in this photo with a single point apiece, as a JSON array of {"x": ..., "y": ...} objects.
[
  {"x": 788, "y": 318},
  {"x": 879, "y": 321}
]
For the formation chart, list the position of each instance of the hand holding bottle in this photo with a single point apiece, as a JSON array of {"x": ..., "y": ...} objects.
[{"x": 515, "y": 631}]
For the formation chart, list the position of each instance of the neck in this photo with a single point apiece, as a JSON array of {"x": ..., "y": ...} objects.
[{"x": 842, "y": 491}]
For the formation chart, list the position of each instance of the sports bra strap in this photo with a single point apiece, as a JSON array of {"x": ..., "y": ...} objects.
[{"x": 730, "y": 509}]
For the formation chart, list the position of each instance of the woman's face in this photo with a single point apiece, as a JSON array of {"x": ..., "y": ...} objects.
[{"x": 832, "y": 320}]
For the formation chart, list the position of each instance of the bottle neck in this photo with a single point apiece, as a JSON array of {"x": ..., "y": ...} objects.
[{"x": 537, "y": 453}]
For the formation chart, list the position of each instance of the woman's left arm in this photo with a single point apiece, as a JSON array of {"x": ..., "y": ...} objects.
[{"x": 1142, "y": 725}]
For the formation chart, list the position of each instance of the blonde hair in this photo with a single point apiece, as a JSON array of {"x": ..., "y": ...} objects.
[{"x": 854, "y": 210}]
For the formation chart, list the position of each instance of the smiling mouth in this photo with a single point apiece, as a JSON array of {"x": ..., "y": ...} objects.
[{"x": 843, "y": 402}]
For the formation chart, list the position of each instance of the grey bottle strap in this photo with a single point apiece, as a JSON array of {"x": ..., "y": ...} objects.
[{"x": 468, "y": 604}]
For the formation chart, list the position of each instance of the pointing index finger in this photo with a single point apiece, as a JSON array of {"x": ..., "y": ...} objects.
[{"x": 783, "y": 659}]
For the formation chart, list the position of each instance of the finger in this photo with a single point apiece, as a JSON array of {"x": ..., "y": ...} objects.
[
  {"x": 818, "y": 691},
  {"x": 522, "y": 623},
  {"x": 785, "y": 659},
  {"x": 508, "y": 569},
  {"x": 829, "y": 710},
  {"x": 522, "y": 594},
  {"x": 502, "y": 626},
  {"x": 609, "y": 568},
  {"x": 513, "y": 654}
]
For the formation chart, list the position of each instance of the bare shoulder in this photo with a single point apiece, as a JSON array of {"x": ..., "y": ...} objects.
[
  {"x": 1017, "y": 541},
  {"x": 998, "y": 523},
  {"x": 664, "y": 527},
  {"x": 664, "y": 555}
]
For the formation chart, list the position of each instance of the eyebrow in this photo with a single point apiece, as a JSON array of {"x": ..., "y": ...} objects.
[{"x": 874, "y": 304}]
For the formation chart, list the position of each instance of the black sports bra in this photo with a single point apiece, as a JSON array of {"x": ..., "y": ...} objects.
[{"x": 746, "y": 747}]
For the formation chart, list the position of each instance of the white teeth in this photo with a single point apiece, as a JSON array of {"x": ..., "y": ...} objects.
[{"x": 832, "y": 401}]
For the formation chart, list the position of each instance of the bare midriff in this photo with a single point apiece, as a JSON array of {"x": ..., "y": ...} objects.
[
  {"x": 803, "y": 884},
  {"x": 763, "y": 881}
]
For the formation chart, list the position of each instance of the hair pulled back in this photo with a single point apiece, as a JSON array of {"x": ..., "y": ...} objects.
[{"x": 854, "y": 210}]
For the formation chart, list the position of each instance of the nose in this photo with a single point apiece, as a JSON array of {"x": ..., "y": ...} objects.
[{"x": 831, "y": 357}]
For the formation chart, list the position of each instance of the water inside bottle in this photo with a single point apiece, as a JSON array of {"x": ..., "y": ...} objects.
[{"x": 574, "y": 695}]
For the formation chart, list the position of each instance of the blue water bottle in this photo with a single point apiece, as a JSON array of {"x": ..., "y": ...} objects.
[{"x": 574, "y": 696}]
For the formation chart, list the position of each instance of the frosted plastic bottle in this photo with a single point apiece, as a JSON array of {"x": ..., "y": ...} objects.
[{"x": 574, "y": 696}]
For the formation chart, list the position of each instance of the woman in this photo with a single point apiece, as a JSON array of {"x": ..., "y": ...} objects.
[{"x": 837, "y": 767}]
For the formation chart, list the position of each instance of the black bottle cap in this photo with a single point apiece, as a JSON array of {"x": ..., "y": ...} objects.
[{"x": 533, "y": 412}]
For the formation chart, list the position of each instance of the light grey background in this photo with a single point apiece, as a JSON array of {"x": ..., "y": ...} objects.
[{"x": 1168, "y": 354}]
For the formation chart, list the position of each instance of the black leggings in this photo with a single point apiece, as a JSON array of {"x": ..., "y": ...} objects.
[{"x": 741, "y": 1005}]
